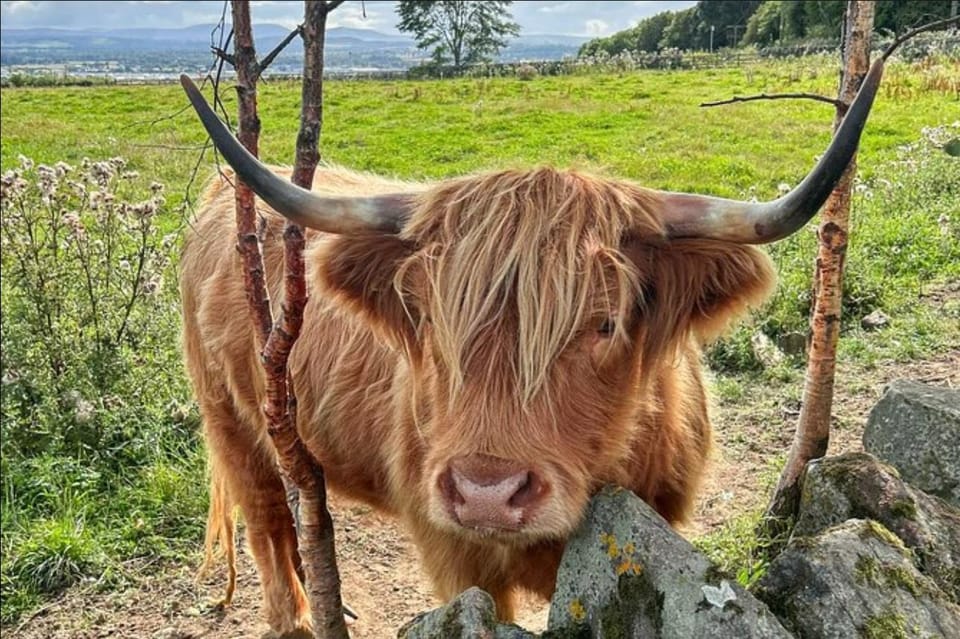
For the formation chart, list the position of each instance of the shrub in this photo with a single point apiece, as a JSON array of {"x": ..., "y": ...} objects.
[
  {"x": 87, "y": 326},
  {"x": 527, "y": 72},
  {"x": 93, "y": 398}
]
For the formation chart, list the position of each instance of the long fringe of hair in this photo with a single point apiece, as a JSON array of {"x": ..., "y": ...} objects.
[{"x": 538, "y": 246}]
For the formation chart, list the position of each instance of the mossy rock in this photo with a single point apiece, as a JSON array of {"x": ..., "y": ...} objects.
[
  {"x": 858, "y": 486},
  {"x": 856, "y": 580}
]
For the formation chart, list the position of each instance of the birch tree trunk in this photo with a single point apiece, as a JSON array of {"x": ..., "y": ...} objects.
[
  {"x": 248, "y": 132},
  {"x": 813, "y": 427},
  {"x": 276, "y": 339},
  {"x": 315, "y": 533}
]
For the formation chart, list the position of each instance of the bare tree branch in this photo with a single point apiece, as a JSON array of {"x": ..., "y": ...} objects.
[
  {"x": 333, "y": 4},
  {"x": 268, "y": 59},
  {"x": 930, "y": 26},
  {"x": 223, "y": 55},
  {"x": 775, "y": 96}
]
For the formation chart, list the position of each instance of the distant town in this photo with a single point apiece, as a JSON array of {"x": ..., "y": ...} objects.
[{"x": 158, "y": 54}]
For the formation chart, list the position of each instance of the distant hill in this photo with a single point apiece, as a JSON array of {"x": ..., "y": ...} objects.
[
  {"x": 183, "y": 39},
  {"x": 140, "y": 48}
]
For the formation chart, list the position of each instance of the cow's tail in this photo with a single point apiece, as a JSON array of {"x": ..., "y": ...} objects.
[{"x": 220, "y": 537}]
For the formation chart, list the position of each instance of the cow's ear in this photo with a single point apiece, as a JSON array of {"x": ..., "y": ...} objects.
[
  {"x": 698, "y": 286},
  {"x": 361, "y": 271}
]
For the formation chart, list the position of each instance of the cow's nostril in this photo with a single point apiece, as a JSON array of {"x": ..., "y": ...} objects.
[
  {"x": 448, "y": 488},
  {"x": 528, "y": 493},
  {"x": 488, "y": 492}
]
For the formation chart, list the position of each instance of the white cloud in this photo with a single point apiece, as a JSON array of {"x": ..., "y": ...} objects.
[
  {"x": 572, "y": 17},
  {"x": 596, "y": 27},
  {"x": 352, "y": 15},
  {"x": 20, "y": 6},
  {"x": 562, "y": 7}
]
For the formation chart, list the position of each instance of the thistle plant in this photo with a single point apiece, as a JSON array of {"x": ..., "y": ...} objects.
[{"x": 84, "y": 309}]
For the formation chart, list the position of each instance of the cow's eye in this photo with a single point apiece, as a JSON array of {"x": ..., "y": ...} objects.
[{"x": 607, "y": 328}]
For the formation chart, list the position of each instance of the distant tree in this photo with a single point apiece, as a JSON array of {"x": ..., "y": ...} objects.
[
  {"x": 794, "y": 20},
  {"x": 460, "y": 33},
  {"x": 824, "y": 18},
  {"x": 897, "y": 16},
  {"x": 725, "y": 13},
  {"x": 683, "y": 30},
  {"x": 647, "y": 34},
  {"x": 766, "y": 26}
]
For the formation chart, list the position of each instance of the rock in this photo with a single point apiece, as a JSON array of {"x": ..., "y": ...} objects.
[
  {"x": 876, "y": 319},
  {"x": 626, "y": 573},
  {"x": 916, "y": 428},
  {"x": 765, "y": 350},
  {"x": 857, "y": 486},
  {"x": 793, "y": 343},
  {"x": 855, "y": 580},
  {"x": 472, "y": 615}
]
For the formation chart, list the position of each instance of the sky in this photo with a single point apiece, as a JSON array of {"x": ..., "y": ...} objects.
[{"x": 572, "y": 18}]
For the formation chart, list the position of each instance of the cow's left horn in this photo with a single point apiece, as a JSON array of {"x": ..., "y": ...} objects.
[
  {"x": 688, "y": 215},
  {"x": 384, "y": 213}
]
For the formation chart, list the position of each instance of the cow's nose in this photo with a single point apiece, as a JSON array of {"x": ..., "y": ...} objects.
[{"x": 489, "y": 492}]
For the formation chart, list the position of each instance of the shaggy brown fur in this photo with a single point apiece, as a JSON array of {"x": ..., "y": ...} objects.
[{"x": 534, "y": 315}]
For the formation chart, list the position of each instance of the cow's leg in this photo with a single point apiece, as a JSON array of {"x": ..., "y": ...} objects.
[
  {"x": 535, "y": 568},
  {"x": 454, "y": 565},
  {"x": 247, "y": 465}
]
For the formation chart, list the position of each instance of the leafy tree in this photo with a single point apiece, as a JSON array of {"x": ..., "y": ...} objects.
[
  {"x": 684, "y": 31},
  {"x": 824, "y": 18},
  {"x": 794, "y": 20},
  {"x": 764, "y": 26},
  {"x": 898, "y": 16},
  {"x": 649, "y": 32},
  {"x": 725, "y": 13},
  {"x": 460, "y": 33}
]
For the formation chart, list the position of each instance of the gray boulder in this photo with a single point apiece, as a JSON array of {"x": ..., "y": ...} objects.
[
  {"x": 472, "y": 615},
  {"x": 626, "y": 573},
  {"x": 916, "y": 428},
  {"x": 855, "y": 580},
  {"x": 858, "y": 486}
]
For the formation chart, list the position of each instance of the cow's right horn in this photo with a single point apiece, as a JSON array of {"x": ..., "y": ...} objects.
[
  {"x": 690, "y": 215},
  {"x": 383, "y": 213}
]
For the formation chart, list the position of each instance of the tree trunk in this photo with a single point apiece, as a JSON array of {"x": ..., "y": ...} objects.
[
  {"x": 275, "y": 340},
  {"x": 248, "y": 132},
  {"x": 315, "y": 526},
  {"x": 813, "y": 427}
]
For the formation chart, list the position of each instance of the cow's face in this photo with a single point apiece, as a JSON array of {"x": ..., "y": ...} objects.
[{"x": 536, "y": 310}]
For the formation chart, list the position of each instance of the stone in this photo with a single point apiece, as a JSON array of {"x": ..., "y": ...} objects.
[
  {"x": 472, "y": 615},
  {"x": 858, "y": 486},
  {"x": 855, "y": 580},
  {"x": 793, "y": 343},
  {"x": 915, "y": 427},
  {"x": 766, "y": 352},
  {"x": 627, "y": 573},
  {"x": 873, "y": 321}
]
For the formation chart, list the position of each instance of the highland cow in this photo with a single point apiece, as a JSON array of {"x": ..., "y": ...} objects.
[{"x": 478, "y": 355}]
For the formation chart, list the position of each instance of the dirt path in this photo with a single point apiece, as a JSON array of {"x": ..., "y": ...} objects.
[{"x": 382, "y": 579}]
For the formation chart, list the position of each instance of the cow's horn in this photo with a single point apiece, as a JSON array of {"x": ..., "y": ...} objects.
[
  {"x": 384, "y": 213},
  {"x": 689, "y": 215}
]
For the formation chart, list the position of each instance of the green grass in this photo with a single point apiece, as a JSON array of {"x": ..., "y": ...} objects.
[
  {"x": 68, "y": 517},
  {"x": 644, "y": 125}
]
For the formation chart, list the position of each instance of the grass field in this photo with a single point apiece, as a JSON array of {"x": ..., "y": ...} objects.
[{"x": 70, "y": 514}]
